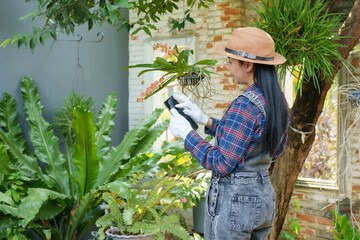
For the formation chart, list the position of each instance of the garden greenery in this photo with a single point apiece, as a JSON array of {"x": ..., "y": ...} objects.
[
  {"x": 343, "y": 228},
  {"x": 139, "y": 212},
  {"x": 305, "y": 33},
  {"x": 175, "y": 65},
  {"x": 63, "y": 16},
  {"x": 53, "y": 192}
]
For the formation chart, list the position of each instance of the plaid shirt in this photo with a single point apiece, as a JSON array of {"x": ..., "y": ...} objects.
[{"x": 238, "y": 132}]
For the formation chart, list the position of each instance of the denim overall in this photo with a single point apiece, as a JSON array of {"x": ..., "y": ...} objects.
[{"x": 242, "y": 205}]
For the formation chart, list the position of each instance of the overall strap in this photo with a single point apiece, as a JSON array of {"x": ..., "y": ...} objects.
[{"x": 255, "y": 100}]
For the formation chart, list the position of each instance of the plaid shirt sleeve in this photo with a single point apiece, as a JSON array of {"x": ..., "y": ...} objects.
[
  {"x": 239, "y": 125},
  {"x": 212, "y": 129}
]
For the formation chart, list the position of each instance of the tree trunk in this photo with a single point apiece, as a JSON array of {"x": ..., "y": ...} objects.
[{"x": 304, "y": 115}]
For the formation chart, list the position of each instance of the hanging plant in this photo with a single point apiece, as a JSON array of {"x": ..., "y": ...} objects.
[
  {"x": 175, "y": 65},
  {"x": 303, "y": 32}
]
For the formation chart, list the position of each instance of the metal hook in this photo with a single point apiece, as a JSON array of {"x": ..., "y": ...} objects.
[{"x": 99, "y": 34}]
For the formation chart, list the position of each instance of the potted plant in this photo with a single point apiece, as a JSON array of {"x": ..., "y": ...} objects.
[
  {"x": 193, "y": 180},
  {"x": 57, "y": 200},
  {"x": 139, "y": 215},
  {"x": 175, "y": 65}
]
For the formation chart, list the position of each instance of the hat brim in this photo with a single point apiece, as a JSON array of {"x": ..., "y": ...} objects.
[{"x": 278, "y": 58}]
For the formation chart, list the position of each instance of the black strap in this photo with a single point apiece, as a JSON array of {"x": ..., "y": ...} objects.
[{"x": 248, "y": 55}]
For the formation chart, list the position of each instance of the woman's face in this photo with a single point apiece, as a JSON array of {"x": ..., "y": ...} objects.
[{"x": 241, "y": 72}]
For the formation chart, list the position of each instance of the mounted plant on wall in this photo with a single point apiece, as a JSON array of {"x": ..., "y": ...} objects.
[
  {"x": 303, "y": 32},
  {"x": 176, "y": 66}
]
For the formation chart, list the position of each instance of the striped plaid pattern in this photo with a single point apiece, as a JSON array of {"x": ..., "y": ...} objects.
[{"x": 238, "y": 132}]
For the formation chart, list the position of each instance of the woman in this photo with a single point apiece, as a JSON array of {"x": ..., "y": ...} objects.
[{"x": 240, "y": 202}]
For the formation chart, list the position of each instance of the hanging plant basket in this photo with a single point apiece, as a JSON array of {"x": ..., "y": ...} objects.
[
  {"x": 114, "y": 233},
  {"x": 192, "y": 79}
]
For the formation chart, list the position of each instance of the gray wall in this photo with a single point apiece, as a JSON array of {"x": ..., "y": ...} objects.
[{"x": 54, "y": 70}]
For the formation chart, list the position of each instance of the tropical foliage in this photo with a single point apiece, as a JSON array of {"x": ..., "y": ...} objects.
[
  {"x": 64, "y": 16},
  {"x": 54, "y": 192},
  {"x": 304, "y": 32},
  {"x": 175, "y": 65},
  {"x": 139, "y": 213}
]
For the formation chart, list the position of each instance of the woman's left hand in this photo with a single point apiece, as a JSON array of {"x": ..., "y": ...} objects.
[{"x": 179, "y": 126}]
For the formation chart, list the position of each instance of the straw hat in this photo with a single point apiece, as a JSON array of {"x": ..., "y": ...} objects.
[{"x": 252, "y": 45}]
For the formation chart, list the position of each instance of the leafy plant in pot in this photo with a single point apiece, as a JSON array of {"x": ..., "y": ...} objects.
[
  {"x": 58, "y": 199},
  {"x": 194, "y": 182},
  {"x": 138, "y": 215},
  {"x": 176, "y": 66}
]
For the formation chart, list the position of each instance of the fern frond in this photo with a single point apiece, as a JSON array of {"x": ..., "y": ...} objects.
[
  {"x": 144, "y": 228},
  {"x": 176, "y": 229},
  {"x": 128, "y": 216},
  {"x": 102, "y": 223},
  {"x": 114, "y": 210}
]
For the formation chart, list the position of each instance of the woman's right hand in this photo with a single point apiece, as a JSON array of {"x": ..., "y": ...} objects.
[{"x": 191, "y": 109}]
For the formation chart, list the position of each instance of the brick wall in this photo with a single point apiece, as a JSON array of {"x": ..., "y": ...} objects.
[
  {"x": 317, "y": 199},
  {"x": 214, "y": 26}
]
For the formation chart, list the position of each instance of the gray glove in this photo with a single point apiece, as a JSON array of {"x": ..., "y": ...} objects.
[
  {"x": 179, "y": 126},
  {"x": 190, "y": 108}
]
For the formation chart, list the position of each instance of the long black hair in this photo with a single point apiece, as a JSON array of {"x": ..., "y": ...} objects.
[{"x": 277, "y": 110}]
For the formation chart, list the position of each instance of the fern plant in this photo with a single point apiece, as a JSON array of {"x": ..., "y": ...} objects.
[
  {"x": 55, "y": 192},
  {"x": 139, "y": 212}
]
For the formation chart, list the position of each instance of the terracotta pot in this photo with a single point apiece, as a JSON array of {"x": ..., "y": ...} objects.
[{"x": 113, "y": 233}]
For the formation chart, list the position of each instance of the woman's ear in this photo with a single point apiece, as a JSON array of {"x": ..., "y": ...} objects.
[{"x": 249, "y": 66}]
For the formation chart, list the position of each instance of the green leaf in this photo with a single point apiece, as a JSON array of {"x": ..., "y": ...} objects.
[
  {"x": 206, "y": 62},
  {"x": 85, "y": 157},
  {"x": 124, "y": 4},
  {"x": 4, "y": 43},
  {"x": 31, "y": 204},
  {"x": 105, "y": 124},
  {"x": 297, "y": 204},
  {"x": 33, "y": 43},
  {"x": 41, "y": 134},
  {"x": 6, "y": 209},
  {"x": 147, "y": 31},
  {"x": 4, "y": 161},
  {"x": 175, "y": 229},
  {"x": 137, "y": 163},
  {"x": 118, "y": 186},
  {"x": 144, "y": 228},
  {"x": 110, "y": 164},
  {"x": 148, "y": 140},
  {"x": 42, "y": 39},
  {"x": 128, "y": 216},
  {"x": 9, "y": 120},
  {"x": 173, "y": 148},
  {"x": 90, "y": 24},
  {"x": 286, "y": 235},
  {"x": 29, "y": 15},
  {"x": 6, "y": 199},
  {"x": 27, "y": 162},
  {"x": 81, "y": 210},
  {"x": 113, "y": 16},
  {"x": 49, "y": 210}
]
